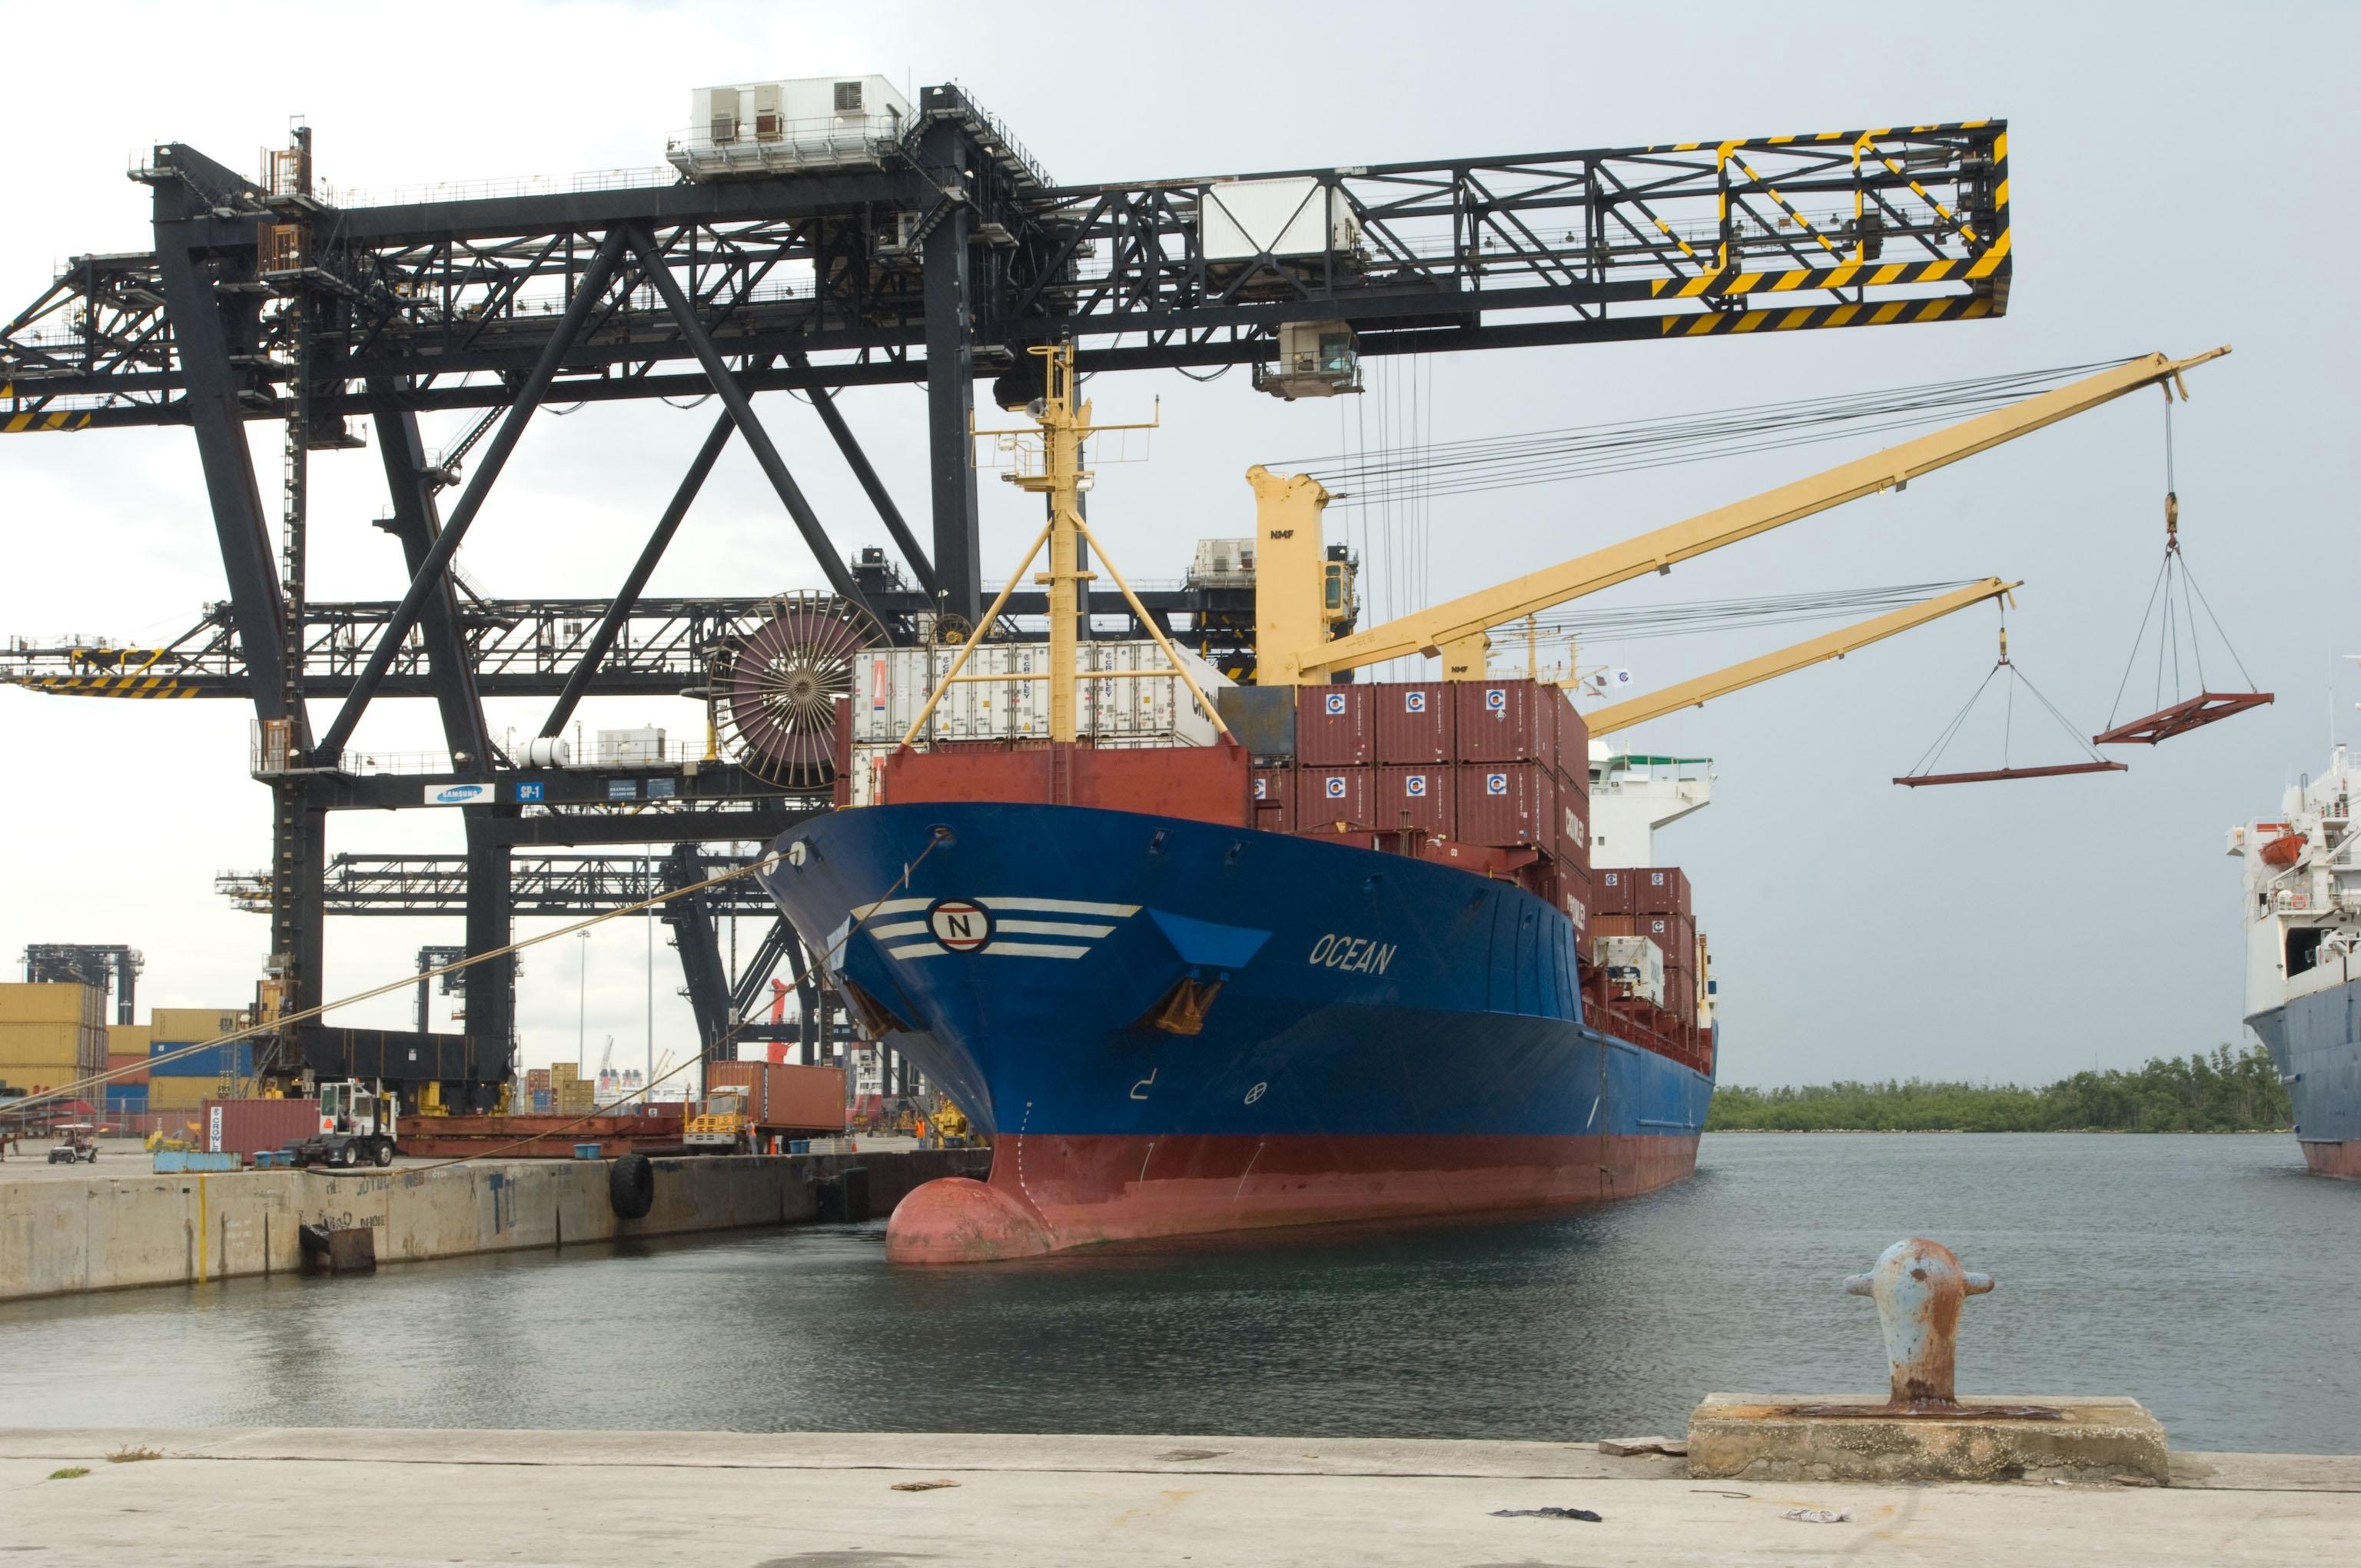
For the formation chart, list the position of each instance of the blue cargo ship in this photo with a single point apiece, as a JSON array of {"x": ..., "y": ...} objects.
[{"x": 1174, "y": 1027}]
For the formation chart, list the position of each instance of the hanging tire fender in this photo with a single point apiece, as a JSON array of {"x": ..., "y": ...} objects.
[{"x": 631, "y": 1187}]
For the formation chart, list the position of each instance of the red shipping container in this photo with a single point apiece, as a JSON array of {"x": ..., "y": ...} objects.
[
  {"x": 1660, "y": 890},
  {"x": 784, "y": 1096},
  {"x": 1572, "y": 741},
  {"x": 1271, "y": 800},
  {"x": 116, "y": 1064},
  {"x": 1416, "y": 798},
  {"x": 1574, "y": 897},
  {"x": 1508, "y": 721},
  {"x": 1612, "y": 888},
  {"x": 1325, "y": 797},
  {"x": 1333, "y": 726},
  {"x": 1507, "y": 802},
  {"x": 1414, "y": 722},
  {"x": 245, "y": 1128},
  {"x": 1675, "y": 934}
]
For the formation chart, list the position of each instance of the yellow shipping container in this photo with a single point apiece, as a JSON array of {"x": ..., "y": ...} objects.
[
  {"x": 61, "y": 1045},
  {"x": 51, "y": 1002},
  {"x": 58, "y": 1044},
  {"x": 167, "y": 1093},
  {"x": 128, "y": 1040},
  {"x": 186, "y": 1025}
]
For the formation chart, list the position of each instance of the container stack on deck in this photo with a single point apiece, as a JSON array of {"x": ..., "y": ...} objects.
[
  {"x": 1653, "y": 902},
  {"x": 1492, "y": 776}
]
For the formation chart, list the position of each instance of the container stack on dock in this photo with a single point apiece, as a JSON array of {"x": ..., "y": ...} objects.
[
  {"x": 182, "y": 1079},
  {"x": 128, "y": 1048},
  {"x": 52, "y": 1034}
]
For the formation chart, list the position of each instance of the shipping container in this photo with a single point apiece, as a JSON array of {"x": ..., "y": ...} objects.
[
  {"x": 1633, "y": 964},
  {"x": 1417, "y": 798},
  {"x": 139, "y": 1076},
  {"x": 244, "y": 1126},
  {"x": 783, "y": 1095},
  {"x": 1272, "y": 797},
  {"x": 1508, "y": 721},
  {"x": 1326, "y": 797},
  {"x": 1660, "y": 890},
  {"x": 128, "y": 1040},
  {"x": 1570, "y": 891},
  {"x": 126, "y": 1099},
  {"x": 179, "y": 1093},
  {"x": 1131, "y": 698},
  {"x": 190, "y": 1024},
  {"x": 165, "y": 1059},
  {"x": 1334, "y": 726},
  {"x": 52, "y": 1002},
  {"x": 1675, "y": 934},
  {"x": 1507, "y": 802},
  {"x": 63, "y": 1045},
  {"x": 1414, "y": 722},
  {"x": 1612, "y": 887}
]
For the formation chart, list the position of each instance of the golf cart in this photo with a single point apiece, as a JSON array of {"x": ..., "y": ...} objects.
[{"x": 76, "y": 1141}]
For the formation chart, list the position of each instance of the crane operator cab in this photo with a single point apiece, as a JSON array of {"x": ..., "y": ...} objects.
[{"x": 357, "y": 1127}]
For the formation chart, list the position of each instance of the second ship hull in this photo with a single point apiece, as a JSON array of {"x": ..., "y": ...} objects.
[
  {"x": 1380, "y": 1038},
  {"x": 2315, "y": 1041}
]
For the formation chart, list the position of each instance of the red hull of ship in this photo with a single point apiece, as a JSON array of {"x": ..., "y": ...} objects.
[
  {"x": 1048, "y": 1193},
  {"x": 2322, "y": 1157}
]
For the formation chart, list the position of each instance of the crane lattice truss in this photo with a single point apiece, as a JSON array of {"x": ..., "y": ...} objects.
[
  {"x": 525, "y": 647},
  {"x": 941, "y": 263}
]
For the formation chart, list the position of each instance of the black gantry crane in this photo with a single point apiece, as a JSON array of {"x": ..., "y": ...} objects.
[{"x": 919, "y": 246}]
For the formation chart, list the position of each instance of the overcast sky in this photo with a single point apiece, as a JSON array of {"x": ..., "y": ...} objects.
[{"x": 2165, "y": 159}]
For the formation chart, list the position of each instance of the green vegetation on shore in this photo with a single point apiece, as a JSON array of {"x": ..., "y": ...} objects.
[{"x": 2226, "y": 1092}]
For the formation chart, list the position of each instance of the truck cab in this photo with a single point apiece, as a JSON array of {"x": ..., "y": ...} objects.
[{"x": 358, "y": 1123}]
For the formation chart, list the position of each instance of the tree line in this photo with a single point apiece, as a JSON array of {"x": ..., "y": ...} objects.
[{"x": 2229, "y": 1091}]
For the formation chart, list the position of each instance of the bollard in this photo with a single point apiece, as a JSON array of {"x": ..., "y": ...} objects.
[{"x": 1918, "y": 1285}]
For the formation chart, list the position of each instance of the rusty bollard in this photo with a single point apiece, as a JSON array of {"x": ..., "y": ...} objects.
[{"x": 1918, "y": 1285}]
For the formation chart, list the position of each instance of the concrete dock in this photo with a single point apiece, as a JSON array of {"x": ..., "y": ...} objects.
[
  {"x": 69, "y": 1229},
  {"x": 828, "y": 1500}
]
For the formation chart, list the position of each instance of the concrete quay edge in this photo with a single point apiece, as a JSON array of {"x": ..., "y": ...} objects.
[
  {"x": 116, "y": 1232},
  {"x": 826, "y": 1500}
]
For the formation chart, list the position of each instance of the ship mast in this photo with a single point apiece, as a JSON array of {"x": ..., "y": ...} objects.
[{"x": 1062, "y": 427}]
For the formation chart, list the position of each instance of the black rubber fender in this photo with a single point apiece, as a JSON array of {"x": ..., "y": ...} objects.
[{"x": 631, "y": 1187}]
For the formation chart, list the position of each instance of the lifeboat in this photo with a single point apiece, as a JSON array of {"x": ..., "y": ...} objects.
[{"x": 2283, "y": 851}]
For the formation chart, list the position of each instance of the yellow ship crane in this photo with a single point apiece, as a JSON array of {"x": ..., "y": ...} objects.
[
  {"x": 1293, "y": 608},
  {"x": 1787, "y": 660}
]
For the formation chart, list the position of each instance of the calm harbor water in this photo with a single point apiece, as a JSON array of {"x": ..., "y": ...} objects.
[{"x": 2205, "y": 1276}]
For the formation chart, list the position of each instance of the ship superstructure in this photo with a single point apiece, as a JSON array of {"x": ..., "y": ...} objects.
[{"x": 2301, "y": 889}]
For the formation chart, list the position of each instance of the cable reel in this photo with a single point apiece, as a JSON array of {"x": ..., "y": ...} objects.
[
  {"x": 2177, "y": 624},
  {"x": 1922, "y": 771},
  {"x": 772, "y": 688}
]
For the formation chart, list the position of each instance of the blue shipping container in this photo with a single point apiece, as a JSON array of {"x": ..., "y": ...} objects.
[
  {"x": 126, "y": 1099},
  {"x": 199, "y": 1064}
]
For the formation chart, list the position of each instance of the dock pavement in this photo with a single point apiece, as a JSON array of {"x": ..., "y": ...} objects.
[{"x": 261, "y": 1495}]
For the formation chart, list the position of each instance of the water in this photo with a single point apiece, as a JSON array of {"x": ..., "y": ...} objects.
[{"x": 2207, "y": 1276}]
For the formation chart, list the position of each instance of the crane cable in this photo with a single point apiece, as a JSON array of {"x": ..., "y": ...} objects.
[
  {"x": 2167, "y": 639},
  {"x": 1547, "y": 456},
  {"x": 1934, "y": 752}
]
